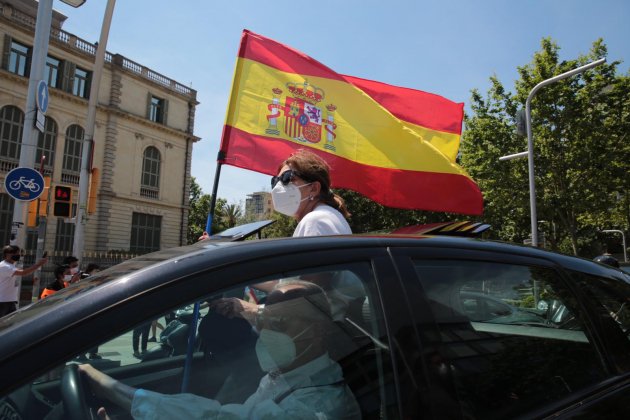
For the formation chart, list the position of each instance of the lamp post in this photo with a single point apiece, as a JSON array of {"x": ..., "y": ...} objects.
[
  {"x": 623, "y": 241},
  {"x": 88, "y": 138},
  {"x": 530, "y": 140},
  {"x": 29, "y": 134}
]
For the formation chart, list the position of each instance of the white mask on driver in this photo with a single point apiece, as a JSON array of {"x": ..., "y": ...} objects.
[{"x": 276, "y": 350}]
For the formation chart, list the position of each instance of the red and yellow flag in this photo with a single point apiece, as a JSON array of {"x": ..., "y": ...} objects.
[{"x": 396, "y": 146}]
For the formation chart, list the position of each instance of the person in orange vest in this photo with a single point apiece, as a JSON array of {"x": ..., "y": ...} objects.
[{"x": 59, "y": 283}]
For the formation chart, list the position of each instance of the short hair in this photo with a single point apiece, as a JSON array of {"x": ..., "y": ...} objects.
[
  {"x": 61, "y": 269},
  {"x": 10, "y": 249},
  {"x": 69, "y": 260},
  {"x": 91, "y": 267},
  {"x": 311, "y": 292}
]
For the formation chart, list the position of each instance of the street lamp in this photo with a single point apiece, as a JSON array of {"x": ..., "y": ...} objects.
[
  {"x": 29, "y": 134},
  {"x": 623, "y": 241},
  {"x": 530, "y": 140}
]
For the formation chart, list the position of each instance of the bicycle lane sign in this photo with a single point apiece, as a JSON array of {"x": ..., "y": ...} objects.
[{"x": 24, "y": 184}]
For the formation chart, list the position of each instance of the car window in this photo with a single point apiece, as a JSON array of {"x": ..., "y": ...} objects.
[
  {"x": 505, "y": 333},
  {"x": 324, "y": 353},
  {"x": 612, "y": 301}
]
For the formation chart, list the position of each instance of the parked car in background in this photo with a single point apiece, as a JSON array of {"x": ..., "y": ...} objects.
[{"x": 421, "y": 327}]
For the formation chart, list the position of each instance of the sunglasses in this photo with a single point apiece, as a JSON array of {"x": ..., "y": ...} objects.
[{"x": 285, "y": 177}]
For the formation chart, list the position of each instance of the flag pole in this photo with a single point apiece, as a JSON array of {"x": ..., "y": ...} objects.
[
  {"x": 215, "y": 187},
  {"x": 196, "y": 306}
]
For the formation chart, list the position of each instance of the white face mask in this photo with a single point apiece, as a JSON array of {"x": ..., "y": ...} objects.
[
  {"x": 276, "y": 350},
  {"x": 67, "y": 277},
  {"x": 287, "y": 198}
]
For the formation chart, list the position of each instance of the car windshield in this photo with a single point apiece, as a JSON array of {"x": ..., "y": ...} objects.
[{"x": 110, "y": 275}]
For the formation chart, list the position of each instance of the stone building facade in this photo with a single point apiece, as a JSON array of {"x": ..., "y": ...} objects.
[{"x": 143, "y": 139}]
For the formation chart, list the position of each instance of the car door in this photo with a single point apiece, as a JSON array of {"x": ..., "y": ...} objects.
[
  {"x": 540, "y": 360},
  {"x": 225, "y": 365}
]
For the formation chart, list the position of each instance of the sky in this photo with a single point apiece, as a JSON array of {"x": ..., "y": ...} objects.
[{"x": 446, "y": 47}]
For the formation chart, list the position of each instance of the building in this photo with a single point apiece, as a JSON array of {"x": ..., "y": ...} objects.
[
  {"x": 258, "y": 206},
  {"x": 142, "y": 147}
]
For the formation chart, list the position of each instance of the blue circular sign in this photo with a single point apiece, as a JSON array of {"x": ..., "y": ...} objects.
[
  {"x": 42, "y": 96},
  {"x": 24, "y": 184}
]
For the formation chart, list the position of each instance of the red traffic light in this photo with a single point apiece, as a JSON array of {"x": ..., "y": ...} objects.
[
  {"x": 63, "y": 193},
  {"x": 62, "y": 206}
]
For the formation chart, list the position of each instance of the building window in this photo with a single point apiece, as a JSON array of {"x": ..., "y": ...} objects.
[
  {"x": 6, "y": 217},
  {"x": 19, "y": 59},
  {"x": 64, "y": 237},
  {"x": 157, "y": 109},
  {"x": 145, "y": 233},
  {"x": 51, "y": 72},
  {"x": 80, "y": 86},
  {"x": 11, "y": 123},
  {"x": 150, "y": 186},
  {"x": 46, "y": 146},
  {"x": 71, "y": 167}
]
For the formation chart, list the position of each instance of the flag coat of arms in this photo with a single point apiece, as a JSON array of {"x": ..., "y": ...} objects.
[{"x": 396, "y": 146}]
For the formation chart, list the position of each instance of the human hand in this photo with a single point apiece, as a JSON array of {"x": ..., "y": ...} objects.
[
  {"x": 76, "y": 277},
  {"x": 42, "y": 262},
  {"x": 203, "y": 236},
  {"x": 107, "y": 388},
  {"x": 231, "y": 307}
]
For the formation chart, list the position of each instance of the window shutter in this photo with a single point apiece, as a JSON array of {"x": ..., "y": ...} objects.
[
  {"x": 88, "y": 85},
  {"x": 6, "y": 51},
  {"x": 148, "y": 114},
  {"x": 165, "y": 112},
  {"x": 67, "y": 75}
]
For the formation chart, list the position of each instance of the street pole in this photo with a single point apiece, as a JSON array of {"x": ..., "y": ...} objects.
[
  {"x": 530, "y": 139},
  {"x": 88, "y": 139},
  {"x": 29, "y": 134},
  {"x": 623, "y": 241}
]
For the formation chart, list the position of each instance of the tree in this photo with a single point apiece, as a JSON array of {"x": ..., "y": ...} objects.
[
  {"x": 230, "y": 215},
  {"x": 581, "y": 151},
  {"x": 199, "y": 204}
]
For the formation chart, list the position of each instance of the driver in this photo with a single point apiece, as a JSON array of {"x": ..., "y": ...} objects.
[{"x": 302, "y": 380}]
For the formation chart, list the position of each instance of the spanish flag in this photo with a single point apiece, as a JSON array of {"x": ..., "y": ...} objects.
[{"x": 397, "y": 146}]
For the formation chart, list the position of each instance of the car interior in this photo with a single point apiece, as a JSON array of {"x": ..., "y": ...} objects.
[{"x": 223, "y": 360}]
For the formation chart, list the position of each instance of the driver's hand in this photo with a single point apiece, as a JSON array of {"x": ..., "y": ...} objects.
[
  {"x": 231, "y": 307},
  {"x": 102, "y": 414},
  {"x": 203, "y": 236}
]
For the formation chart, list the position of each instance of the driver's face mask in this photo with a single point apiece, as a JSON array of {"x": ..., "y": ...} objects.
[{"x": 276, "y": 350}]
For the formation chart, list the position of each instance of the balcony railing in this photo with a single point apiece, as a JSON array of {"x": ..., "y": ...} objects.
[
  {"x": 68, "y": 177},
  {"x": 148, "y": 192},
  {"x": 85, "y": 47}
]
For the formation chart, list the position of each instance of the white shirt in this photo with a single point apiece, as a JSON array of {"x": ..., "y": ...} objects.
[
  {"x": 322, "y": 220},
  {"x": 311, "y": 391},
  {"x": 8, "y": 282}
]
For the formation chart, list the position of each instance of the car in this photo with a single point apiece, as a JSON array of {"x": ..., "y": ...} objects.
[
  {"x": 625, "y": 267},
  {"x": 403, "y": 327}
]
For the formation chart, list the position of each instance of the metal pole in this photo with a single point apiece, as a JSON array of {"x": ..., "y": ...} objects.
[
  {"x": 623, "y": 241},
  {"x": 29, "y": 134},
  {"x": 530, "y": 139},
  {"x": 88, "y": 140}
]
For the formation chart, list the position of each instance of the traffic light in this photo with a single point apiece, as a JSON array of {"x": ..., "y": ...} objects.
[
  {"x": 42, "y": 201},
  {"x": 62, "y": 206},
  {"x": 91, "y": 204}
]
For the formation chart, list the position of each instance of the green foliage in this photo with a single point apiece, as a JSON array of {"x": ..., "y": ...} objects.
[
  {"x": 581, "y": 151},
  {"x": 198, "y": 213},
  {"x": 369, "y": 216}
]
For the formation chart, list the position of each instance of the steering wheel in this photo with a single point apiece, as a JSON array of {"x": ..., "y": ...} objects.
[{"x": 76, "y": 395}]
